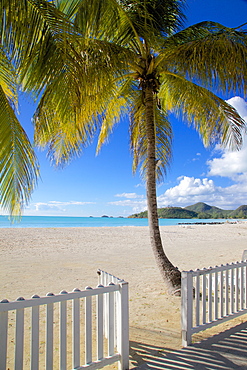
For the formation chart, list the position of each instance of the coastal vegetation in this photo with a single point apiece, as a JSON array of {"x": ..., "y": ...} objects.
[
  {"x": 198, "y": 211},
  {"x": 90, "y": 63}
]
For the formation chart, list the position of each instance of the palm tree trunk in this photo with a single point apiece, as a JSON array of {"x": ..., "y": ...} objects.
[{"x": 170, "y": 274}]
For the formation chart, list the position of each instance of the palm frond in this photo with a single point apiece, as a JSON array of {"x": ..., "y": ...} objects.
[
  {"x": 25, "y": 23},
  {"x": 62, "y": 125},
  {"x": 157, "y": 15},
  {"x": 48, "y": 38},
  {"x": 18, "y": 164},
  {"x": 106, "y": 21},
  {"x": 116, "y": 108},
  {"x": 79, "y": 97},
  {"x": 210, "y": 54},
  {"x": 213, "y": 118},
  {"x": 70, "y": 111},
  {"x": 8, "y": 78}
]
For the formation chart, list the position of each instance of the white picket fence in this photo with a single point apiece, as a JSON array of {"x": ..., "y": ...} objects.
[
  {"x": 211, "y": 296},
  {"x": 87, "y": 322}
]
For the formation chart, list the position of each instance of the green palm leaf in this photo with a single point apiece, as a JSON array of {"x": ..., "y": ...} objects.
[
  {"x": 210, "y": 54},
  {"x": 18, "y": 165},
  {"x": 213, "y": 118}
]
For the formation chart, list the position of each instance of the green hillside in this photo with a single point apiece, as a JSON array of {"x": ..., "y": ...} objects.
[
  {"x": 199, "y": 210},
  {"x": 212, "y": 211},
  {"x": 240, "y": 212},
  {"x": 176, "y": 212},
  {"x": 169, "y": 212}
]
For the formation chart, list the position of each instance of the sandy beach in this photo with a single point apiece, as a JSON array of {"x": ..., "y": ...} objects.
[{"x": 37, "y": 261}]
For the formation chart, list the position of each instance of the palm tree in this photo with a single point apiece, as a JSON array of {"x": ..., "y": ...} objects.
[
  {"x": 24, "y": 24},
  {"x": 131, "y": 57}
]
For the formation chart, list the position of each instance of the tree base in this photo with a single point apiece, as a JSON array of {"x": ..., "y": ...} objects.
[{"x": 172, "y": 280}]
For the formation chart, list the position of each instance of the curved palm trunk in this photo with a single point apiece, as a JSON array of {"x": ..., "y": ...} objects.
[{"x": 170, "y": 274}]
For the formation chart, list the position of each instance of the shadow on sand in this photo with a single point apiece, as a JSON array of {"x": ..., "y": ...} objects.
[{"x": 224, "y": 351}]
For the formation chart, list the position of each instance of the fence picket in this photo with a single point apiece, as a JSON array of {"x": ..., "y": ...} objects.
[
  {"x": 241, "y": 288},
  {"x": 3, "y": 336},
  {"x": 245, "y": 281},
  {"x": 88, "y": 328},
  {"x": 216, "y": 295},
  {"x": 19, "y": 337},
  {"x": 63, "y": 333},
  {"x": 35, "y": 337},
  {"x": 197, "y": 296},
  {"x": 232, "y": 290},
  {"x": 210, "y": 303},
  {"x": 111, "y": 321},
  {"x": 236, "y": 289},
  {"x": 123, "y": 325},
  {"x": 76, "y": 331},
  {"x": 221, "y": 293},
  {"x": 204, "y": 299},
  {"x": 225, "y": 291},
  {"x": 49, "y": 334},
  {"x": 187, "y": 306},
  {"x": 100, "y": 324}
]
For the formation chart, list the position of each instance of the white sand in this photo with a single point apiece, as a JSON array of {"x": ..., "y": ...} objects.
[{"x": 37, "y": 261}]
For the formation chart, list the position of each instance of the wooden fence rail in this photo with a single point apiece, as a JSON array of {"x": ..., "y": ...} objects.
[
  {"x": 113, "y": 310},
  {"x": 211, "y": 296}
]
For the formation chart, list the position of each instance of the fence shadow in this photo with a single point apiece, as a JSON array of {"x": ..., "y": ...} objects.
[{"x": 224, "y": 351}]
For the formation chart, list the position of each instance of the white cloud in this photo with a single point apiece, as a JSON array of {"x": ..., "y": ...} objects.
[
  {"x": 240, "y": 105},
  {"x": 191, "y": 190},
  {"x": 69, "y": 203},
  {"x": 231, "y": 164},
  {"x": 197, "y": 157},
  {"x": 56, "y": 205},
  {"x": 140, "y": 185},
  {"x": 129, "y": 196},
  {"x": 46, "y": 206},
  {"x": 134, "y": 204}
]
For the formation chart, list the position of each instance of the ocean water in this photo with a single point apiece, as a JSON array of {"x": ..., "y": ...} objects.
[{"x": 52, "y": 221}]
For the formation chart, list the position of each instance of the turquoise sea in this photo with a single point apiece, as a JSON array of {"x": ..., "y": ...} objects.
[{"x": 52, "y": 221}]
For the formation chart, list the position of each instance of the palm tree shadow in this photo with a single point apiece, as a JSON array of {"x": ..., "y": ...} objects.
[{"x": 224, "y": 351}]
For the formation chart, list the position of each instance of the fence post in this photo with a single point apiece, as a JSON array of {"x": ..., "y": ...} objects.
[
  {"x": 88, "y": 328},
  {"x": 19, "y": 337},
  {"x": 3, "y": 336},
  {"x": 123, "y": 327},
  {"x": 186, "y": 306}
]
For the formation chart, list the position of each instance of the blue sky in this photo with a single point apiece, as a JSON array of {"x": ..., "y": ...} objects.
[{"x": 95, "y": 185}]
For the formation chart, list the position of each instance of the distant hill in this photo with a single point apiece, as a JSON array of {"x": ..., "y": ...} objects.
[
  {"x": 199, "y": 210},
  {"x": 240, "y": 212},
  {"x": 201, "y": 207},
  {"x": 176, "y": 212}
]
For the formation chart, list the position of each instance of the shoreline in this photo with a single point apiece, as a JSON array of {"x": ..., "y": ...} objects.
[
  {"x": 64, "y": 221},
  {"x": 208, "y": 223},
  {"x": 42, "y": 260}
]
